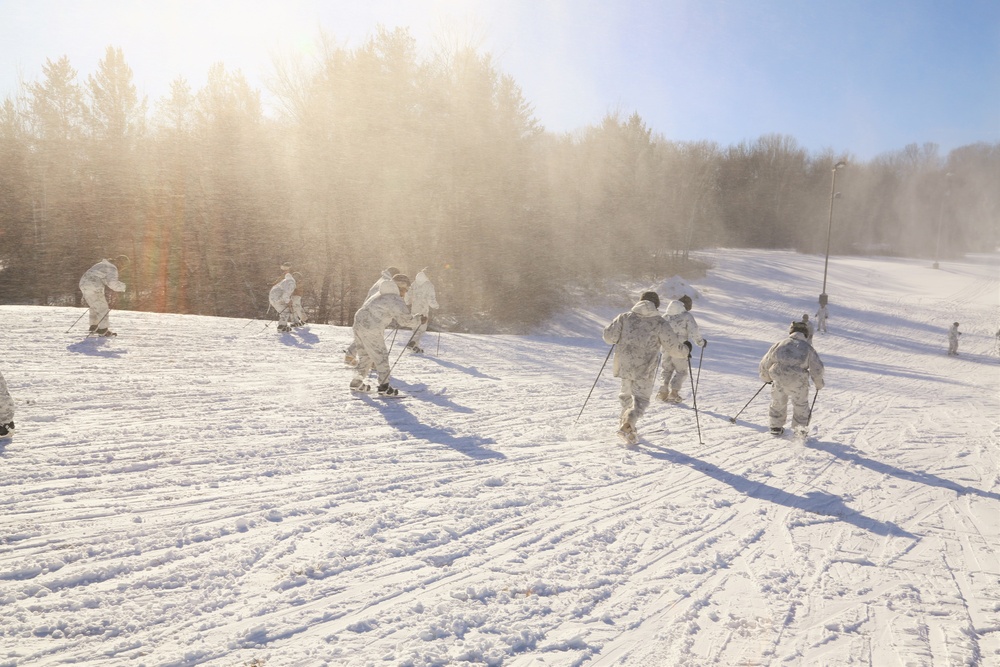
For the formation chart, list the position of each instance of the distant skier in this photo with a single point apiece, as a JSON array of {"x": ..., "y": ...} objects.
[
  {"x": 369, "y": 324},
  {"x": 351, "y": 353},
  {"x": 821, "y": 316},
  {"x": 953, "y": 334},
  {"x": 280, "y": 298},
  {"x": 421, "y": 298},
  {"x": 6, "y": 410},
  {"x": 102, "y": 275},
  {"x": 299, "y": 315},
  {"x": 809, "y": 327},
  {"x": 639, "y": 335},
  {"x": 787, "y": 367},
  {"x": 675, "y": 362}
]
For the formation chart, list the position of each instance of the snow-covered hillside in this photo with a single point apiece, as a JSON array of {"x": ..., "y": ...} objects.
[{"x": 201, "y": 491}]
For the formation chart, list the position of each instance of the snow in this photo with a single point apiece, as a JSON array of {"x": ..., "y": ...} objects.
[{"x": 206, "y": 491}]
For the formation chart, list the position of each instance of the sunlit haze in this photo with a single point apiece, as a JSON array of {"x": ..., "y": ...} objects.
[{"x": 852, "y": 76}]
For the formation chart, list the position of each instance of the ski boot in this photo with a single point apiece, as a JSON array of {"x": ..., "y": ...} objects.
[
  {"x": 358, "y": 385},
  {"x": 107, "y": 333},
  {"x": 628, "y": 434},
  {"x": 385, "y": 390},
  {"x": 777, "y": 430}
]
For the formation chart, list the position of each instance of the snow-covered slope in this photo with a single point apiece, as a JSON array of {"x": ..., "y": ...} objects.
[{"x": 201, "y": 491}]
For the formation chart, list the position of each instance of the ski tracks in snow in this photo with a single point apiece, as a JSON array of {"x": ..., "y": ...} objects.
[{"x": 176, "y": 499}]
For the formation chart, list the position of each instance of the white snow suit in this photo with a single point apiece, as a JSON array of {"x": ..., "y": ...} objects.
[
  {"x": 675, "y": 360},
  {"x": 385, "y": 277},
  {"x": 788, "y": 365},
  {"x": 369, "y": 324},
  {"x": 809, "y": 327},
  {"x": 421, "y": 299},
  {"x": 6, "y": 403},
  {"x": 953, "y": 334},
  {"x": 821, "y": 316},
  {"x": 280, "y": 298},
  {"x": 639, "y": 335},
  {"x": 92, "y": 284}
]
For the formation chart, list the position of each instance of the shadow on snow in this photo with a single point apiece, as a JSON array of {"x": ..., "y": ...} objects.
[
  {"x": 94, "y": 347},
  {"x": 816, "y": 502},
  {"x": 397, "y": 416}
]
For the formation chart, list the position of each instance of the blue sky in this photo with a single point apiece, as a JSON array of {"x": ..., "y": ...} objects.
[{"x": 853, "y": 76}]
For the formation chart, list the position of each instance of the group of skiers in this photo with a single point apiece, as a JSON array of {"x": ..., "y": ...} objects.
[{"x": 642, "y": 336}]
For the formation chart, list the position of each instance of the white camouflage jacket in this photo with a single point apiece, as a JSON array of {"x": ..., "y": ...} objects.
[
  {"x": 639, "y": 335},
  {"x": 421, "y": 297},
  {"x": 102, "y": 274},
  {"x": 789, "y": 360},
  {"x": 683, "y": 324},
  {"x": 379, "y": 311}
]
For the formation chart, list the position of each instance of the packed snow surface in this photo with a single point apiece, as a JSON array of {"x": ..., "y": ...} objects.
[{"x": 205, "y": 491}]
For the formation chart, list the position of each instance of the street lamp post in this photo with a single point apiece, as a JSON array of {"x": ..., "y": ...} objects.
[
  {"x": 829, "y": 229},
  {"x": 937, "y": 246}
]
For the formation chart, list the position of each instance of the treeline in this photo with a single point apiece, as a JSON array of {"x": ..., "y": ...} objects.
[{"x": 379, "y": 157}]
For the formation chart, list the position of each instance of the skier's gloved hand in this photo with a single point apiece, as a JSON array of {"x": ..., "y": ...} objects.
[
  {"x": 423, "y": 319},
  {"x": 704, "y": 343},
  {"x": 687, "y": 344},
  {"x": 819, "y": 384}
]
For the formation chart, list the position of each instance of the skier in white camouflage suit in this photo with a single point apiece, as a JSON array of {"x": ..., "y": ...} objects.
[
  {"x": 953, "y": 334},
  {"x": 810, "y": 329},
  {"x": 822, "y": 315},
  {"x": 280, "y": 298},
  {"x": 92, "y": 284},
  {"x": 6, "y": 410},
  {"x": 369, "y": 326},
  {"x": 675, "y": 361},
  {"x": 638, "y": 335},
  {"x": 787, "y": 367},
  {"x": 421, "y": 298},
  {"x": 351, "y": 353}
]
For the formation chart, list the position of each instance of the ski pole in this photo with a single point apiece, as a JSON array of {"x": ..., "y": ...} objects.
[
  {"x": 694, "y": 400},
  {"x": 809, "y": 418},
  {"x": 697, "y": 380},
  {"x": 255, "y": 319},
  {"x": 78, "y": 319},
  {"x": 595, "y": 382},
  {"x": 733, "y": 418},
  {"x": 401, "y": 352},
  {"x": 395, "y": 329},
  {"x": 266, "y": 326},
  {"x": 438, "y": 352}
]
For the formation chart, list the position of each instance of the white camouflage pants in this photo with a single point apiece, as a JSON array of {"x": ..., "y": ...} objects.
[
  {"x": 634, "y": 397},
  {"x": 792, "y": 387},
  {"x": 675, "y": 371},
  {"x": 6, "y": 403},
  {"x": 420, "y": 331},
  {"x": 100, "y": 311},
  {"x": 284, "y": 310},
  {"x": 372, "y": 353}
]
